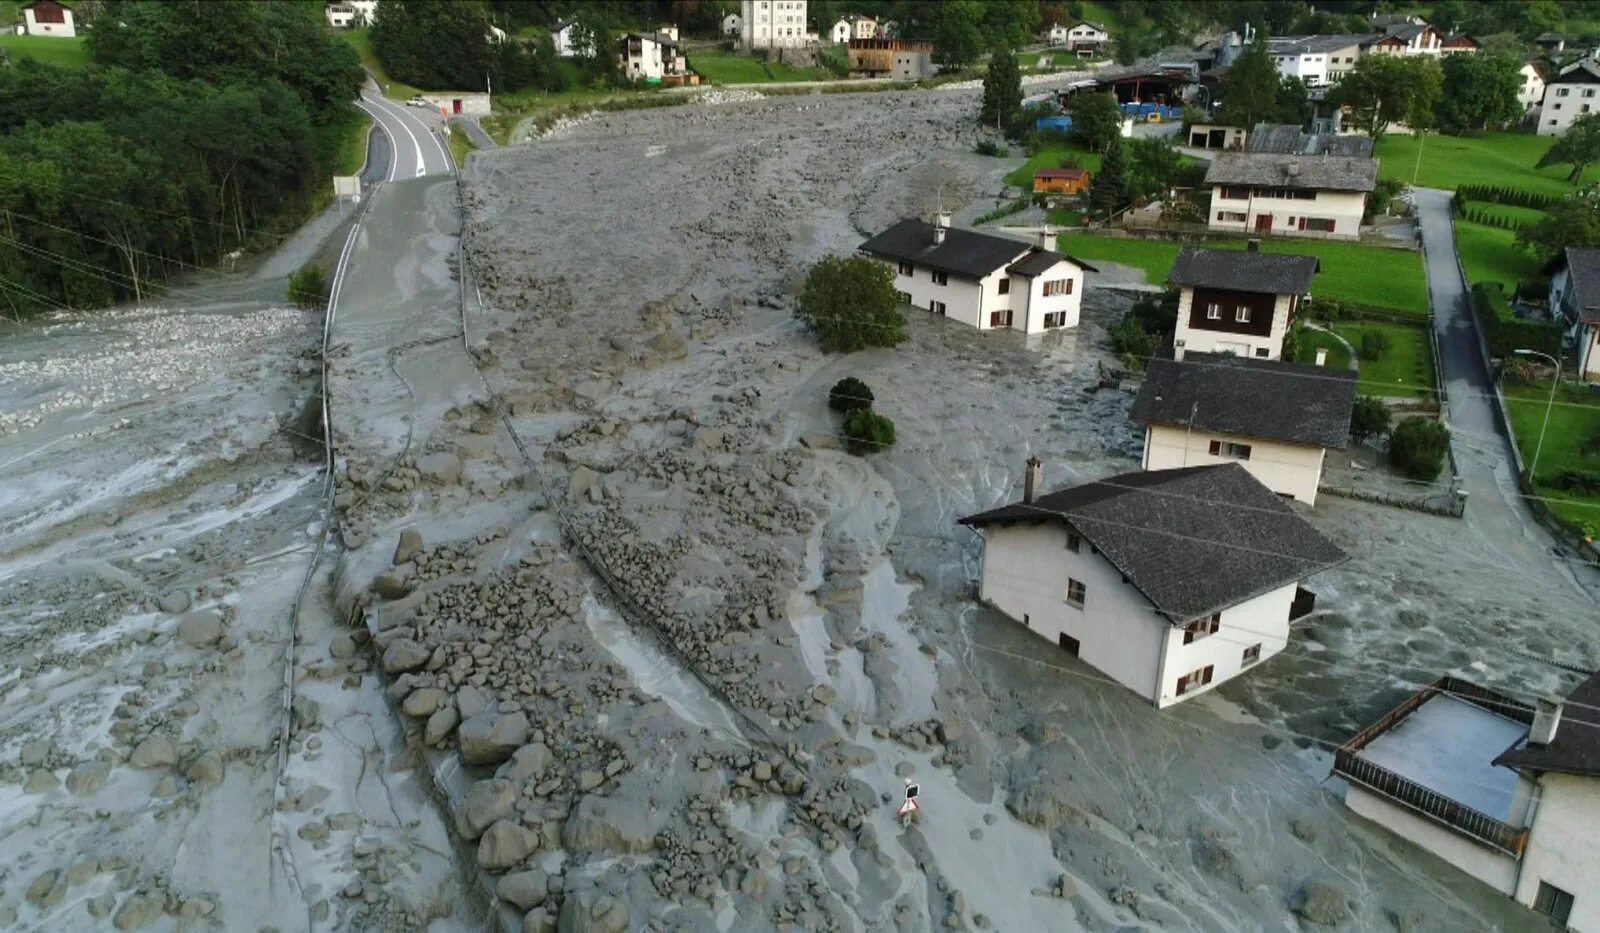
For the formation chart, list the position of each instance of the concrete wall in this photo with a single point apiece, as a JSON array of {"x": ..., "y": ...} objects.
[
  {"x": 1564, "y": 103},
  {"x": 1025, "y": 573},
  {"x": 1492, "y": 867},
  {"x": 1262, "y": 621},
  {"x": 1344, "y": 208},
  {"x": 476, "y": 104},
  {"x": 1287, "y": 469},
  {"x": 1564, "y": 846},
  {"x": 1199, "y": 340}
]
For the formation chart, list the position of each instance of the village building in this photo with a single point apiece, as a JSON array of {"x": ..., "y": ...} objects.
[
  {"x": 651, "y": 57},
  {"x": 1506, "y": 791},
  {"x": 1416, "y": 38},
  {"x": 1569, "y": 95},
  {"x": 562, "y": 34},
  {"x": 982, "y": 280},
  {"x": 732, "y": 25},
  {"x": 48, "y": 18},
  {"x": 1087, "y": 38},
  {"x": 839, "y": 33},
  {"x": 1551, "y": 43},
  {"x": 1315, "y": 60},
  {"x": 862, "y": 27},
  {"x": 1237, "y": 301},
  {"x": 895, "y": 59},
  {"x": 1169, "y": 581},
  {"x": 773, "y": 24},
  {"x": 1277, "y": 420},
  {"x": 1060, "y": 181},
  {"x": 1290, "y": 139},
  {"x": 1056, "y": 34},
  {"x": 1293, "y": 195},
  {"x": 1575, "y": 302},
  {"x": 1216, "y": 136},
  {"x": 1530, "y": 93}
]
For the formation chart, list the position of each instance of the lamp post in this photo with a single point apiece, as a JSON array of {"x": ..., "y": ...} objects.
[{"x": 1538, "y": 448}]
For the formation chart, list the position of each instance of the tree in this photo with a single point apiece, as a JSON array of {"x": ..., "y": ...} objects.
[
  {"x": 308, "y": 286},
  {"x": 1249, "y": 91},
  {"x": 849, "y": 394},
  {"x": 1002, "y": 92},
  {"x": 1480, "y": 91},
  {"x": 1292, "y": 104},
  {"x": 1574, "y": 221},
  {"x": 1009, "y": 24},
  {"x": 1417, "y": 447},
  {"x": 1096, "y": 120},
  {"x": 1385, "y": 89},
  {"x": 1154, "y": 166},
  {"x": 1109, "y": 190},
  {"x": 867, "y": 432},
  {"x": 953, "y": 27},
  {"x": 850, "y": 303},
  {"x": 1369, "y": 417},
  {"x": 1580, "y": 146}
]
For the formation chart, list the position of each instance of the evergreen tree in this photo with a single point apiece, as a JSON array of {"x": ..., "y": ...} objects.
[
  {"x": 1002, "y": 91},
  {"x": 1109, "y": 189},
  {"x": 1250, "y": 90}
]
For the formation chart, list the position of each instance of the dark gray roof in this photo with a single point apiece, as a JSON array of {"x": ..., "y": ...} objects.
[
  {"x": 561, "y": 24},
  {"x": 1272, "y": 170},
  {"x": 1194, "y": 541},
  {"x": 1312, "y": 45},
  {"x": 1576, "y": 746},
  {"x": 1041, "y": 261},
  {"x": 1583, "y": 268},
  {"x": 1584, "y": 71},
  {"x": 966, "y": 253},
  {"x": 1289, "y": 139},
  {"x": 1242, "y": 270},
  {"x": 1249, "y": 397}
]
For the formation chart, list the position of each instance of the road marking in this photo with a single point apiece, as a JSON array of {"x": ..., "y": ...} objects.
[
  {"x": 394, "y": 149},
  {"x": 444, "y": 157},
  {"x": 422, "y": 166}
]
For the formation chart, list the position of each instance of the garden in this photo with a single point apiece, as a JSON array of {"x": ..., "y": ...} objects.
[
  {"x": 1395, "y": 360},
  {"x": 1568, "y": 471},
  {"x": 47, "y": 50}
]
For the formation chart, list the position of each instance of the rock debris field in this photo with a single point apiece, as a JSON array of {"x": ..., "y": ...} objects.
[{"x": 664, "y": 657}]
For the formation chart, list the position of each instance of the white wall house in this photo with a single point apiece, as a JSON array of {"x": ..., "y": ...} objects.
[
  {"x": 1508, "y": 793},
  {"x": 773, "y": 24},
  {"x": 863, "y": 27},
  {"x": 1087, "y": 37},
  {"x": 1055, "y": 35},
  {"x": 1569, "y": 95},
  {"x": 1237, "y": 301},
  {"x": 984, "y": 281},
  {"x": 1095, "y": 570},
  {"x": 1316, "y": 60},
  {"x": 732, "y": 25},
  {"x": 562, "y": 35},
  {"x": 649, "y": 56},
  {"x": 1316, "y": 196},
  {"x": 1530, "y": 94},
  {"x": 839, "y": 33},
  {"x": 1575, "y": 298},
  {"x": 48, "y": 18},
  {"x": 1277, "y": 420}
]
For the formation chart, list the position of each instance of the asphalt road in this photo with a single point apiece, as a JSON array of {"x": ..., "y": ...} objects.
[
  {"x": 417, "y": 149},
  {"x": 474, "y": 132}
]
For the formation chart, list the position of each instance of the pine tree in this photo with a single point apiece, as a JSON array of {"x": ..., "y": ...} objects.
[
  {"x": 1002, "y": 91},
  {"x": 1109, "y": 189}
]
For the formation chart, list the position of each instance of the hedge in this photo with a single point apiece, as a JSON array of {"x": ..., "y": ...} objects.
[
  {"x": 1506, "y": 334},
  {"x": 1501, "y": 195}
]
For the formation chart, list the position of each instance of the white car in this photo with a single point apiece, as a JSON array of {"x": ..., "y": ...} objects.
[{"x": 418, "y": 102}]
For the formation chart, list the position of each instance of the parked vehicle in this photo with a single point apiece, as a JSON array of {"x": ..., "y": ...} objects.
[{"x": 417, "y": 102}]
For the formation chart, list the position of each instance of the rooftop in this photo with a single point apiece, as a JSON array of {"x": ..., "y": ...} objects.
[
  {"x": 1272, "y": 170},
  {"x": 1583, "y": 267},
  {"x": 1289, "y": 139},
  {"x": 1254, "y": 398},
  {"x": 1194, "y": 541},
  {"x": 1576, "y": 746},
  {"x": 1448, "y": 746},
  {"x": 1243, "y": 270},
  {"x": 1067, "y": 173},
  {"x": 1312, "y": 45},
  {"x": 1584, "y": 71},
  {"x": 966, "y": 253}
]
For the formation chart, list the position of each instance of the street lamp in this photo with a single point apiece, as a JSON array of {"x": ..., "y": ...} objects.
[{"x": 1538, "y": 448}]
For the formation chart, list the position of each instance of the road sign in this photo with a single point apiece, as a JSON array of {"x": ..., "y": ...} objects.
[{"x": 346, "y": 186}]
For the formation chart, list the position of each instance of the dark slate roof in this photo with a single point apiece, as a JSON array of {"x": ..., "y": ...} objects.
[
  {"x": 1583, "y": 267},
  {"x": 1242, "y": 270},
  {"x": 1041, "y": 261},
  {"x": 1312, "y": 45},
  {"x": 966, "y": 253},
  {"x": 1583, "y": 72},
  {"x": 561, "y": 24},
  {"x": 1289, "y": 139},
  {"x": 1272, "y": 170},
  {"x": 1576, "y": 747},
  {"x": 1249, "y": 397},
  {"x": 1194, "y": 541}
]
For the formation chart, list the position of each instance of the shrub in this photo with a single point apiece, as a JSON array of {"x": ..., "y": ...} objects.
[
  {"x": 988, "y": 147},
  {"x": 1583, "y": 482},
  {"x": 1373, "y": 345},
  {"x": 1132, "y": 342},
  {"x": 1417, "y": 447},
  {"x": 1505, "y": 334},
  {"x": 867, "y": 432},
  {"x": 1293, "y": 341},
  {"x": 849, "y": 394},
  {"x": 850, "y": 304},
  {"x": 1369, "y": 418},
  {"x": 308, "y": 286}
]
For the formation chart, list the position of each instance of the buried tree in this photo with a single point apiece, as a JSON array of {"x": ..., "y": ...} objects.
[
  {"x": 1417, "y": 447},
  {"x": 850, "y": 303}
]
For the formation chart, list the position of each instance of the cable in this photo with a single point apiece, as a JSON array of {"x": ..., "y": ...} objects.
[
  {"x": 14, "y": 287},
  {"x": 88, "y": 236}
]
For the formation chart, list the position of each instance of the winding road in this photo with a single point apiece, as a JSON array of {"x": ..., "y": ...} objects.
[{"x": 418, "y": 152}]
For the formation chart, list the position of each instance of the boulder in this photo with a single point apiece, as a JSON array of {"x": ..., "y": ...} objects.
[
  {"x": 594, "y": 912},
  {"x": 670, "y": 344},
  {"x": 472, "y": 700},
  {"x": 486, "y": 803},
  {"x": 207, "y": 769},
  {"x": 88, "y": 777},
  {"x": 410, "y": 546},
  {"x": 526, "y": 889},
  {"x": 424, "y": 701},
  {"x": 137, "y": 912},
  {"x": 440, "y": 725},
  {"x": 1322, "y": 904},
  {"x": 582, "y": 480},
  {"x": 440, "y": 468},
  {"x": 490, "y": 738},
  {"x": 174, "y": 602},
  {"x": 393, "y": 585},
  {"x": 505, "y": 844},
  {"x": 403, "y": 654},
  {"x": 1043, "y": 803},
  {"x": 35, "y": 752},
  {"x": 154, "y": 752},
  {"x": 528, "y": 761},
  {"x": 40, "y": 781},
  {"x": 200, "y": 629},
  {"x": 610, "y": 826}
]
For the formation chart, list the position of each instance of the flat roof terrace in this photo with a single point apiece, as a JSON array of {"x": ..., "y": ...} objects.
[{"x": 1448, "y": 746}]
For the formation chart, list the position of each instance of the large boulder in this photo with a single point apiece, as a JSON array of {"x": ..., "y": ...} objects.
[
  {"x": 441, "y": 468},
  {"x": 1322, "y": 904},
  {"x": 527, "y": 762},
  {"x": 1043, "y": 803},
  {"x": 505, "y": 844},
  {"x": 526, "y": 889},
  {"x": 154, "y": 752},
  {"x": 87, "y": 778},
  {"x": 490, "y": 738},
  {"x": 605, "y": 825},
  {"x": 200, "y": 629},
  {"x": 486, "y": 803},
  {"x": 594, "y": 912},
  {"x": 403, "y": 654},
  {"x": 423, "y": 701},
  {"x": 409, "y": 546}
]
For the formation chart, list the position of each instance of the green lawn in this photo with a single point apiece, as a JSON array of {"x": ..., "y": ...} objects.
[
  {"x": 1052, "y": 155},
  {"x": 353, "y": 144},
  {"x": 1063, "y": 217},
  {"x": 1405, "y": 368},
  {"x": 1490, "y": 254},
  {"x": 460, "y": 145},
  {"x": 1511, "y": 212},
  {"x": 1502, "y": 159},
  {"x": 67, "y": 53},
  {"x": 726, "y": 68},
  {"x": 1373, "y": 276},
  {"x": 361, "y": 41},
  {"x": 1574, "y": 427},
  {"x": 1313, "y": 340},
  {"x": 1055, "y": 60}
]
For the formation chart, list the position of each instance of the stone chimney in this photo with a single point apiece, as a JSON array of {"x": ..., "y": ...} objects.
[
  {"x": 1032, "y": 479},
  {"x": 1047, "y": 239},
  {"x": 1322, "y": 356},
  {"x": 1252, "y": 245},
  {"x": 941, "y": 223},
  {"x": 1546, "y": 717}
]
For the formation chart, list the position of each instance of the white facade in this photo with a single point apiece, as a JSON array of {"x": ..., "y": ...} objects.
[
  {"x": 732, "y": 25},
  {"x": 339, "y": 16},
  {"x": 840, "y": 33},
  {"x": 1056, "y": 34},
  {"x": 1026, "y": 569},
  {"x": 1531, "y": 93},
  {"x": 645, "y": 58},
  {"x": 49, "y": 19},
  {"x": 1310, "y": 67},
  {"x": 999, "y": 300},
  {"x": 1583, "y": 337},
  {"x": 1086, "y": 35},
  {"x": 773, "y": 24},
  {"x": 1190, "y": 339},
  {"x": 1491, "y": 866},
  {"x": 1563, "y": 846},
  {"x": 1335, "y": 214},
  {"x": 1292, "y": 470},
  {"x": 1565, "y": 101}
]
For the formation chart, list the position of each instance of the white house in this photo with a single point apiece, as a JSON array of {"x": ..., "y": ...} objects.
[
  {"x": 562, "y": 34},
  {"x": 1416, "y": 38},
  {"x": 48, "y": 18},
  {"x": 1238, "y": 302},
  {"x": 1085, "y": 36},
  {"x": 1568, "y": 96},
  {"x": 982, "y": 280},
  {"x": 839, "y": 33},
  {"x": 1277, "y": 420},
  {"x": 650, "y": 56},
  {"x": 1055, "y": 35},
  {"x": 347, "y": 14},
  {"x": 1315, "y": 60},
  {"x": 1168, "y": 581},
  {"x": 1575, "y": 296},
  {"x": 1508, "y": 793},
  {"x": 1531, "y": 92},
  {"x": 1294, "y": 195},
  {"x": 773, "y": 24},
  {"x": 732, "y": 25}
]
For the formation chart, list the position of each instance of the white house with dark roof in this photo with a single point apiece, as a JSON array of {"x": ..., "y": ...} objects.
[
  {"x": 1084, "y": 36},
  {"x": 1575, "y": 297},
  {"x": 562, "y": 34},
  {"x": 1290, "y": 139},
  {"x": 1570, "y": 94},
  {"x": 48, "y": 18},
  {"x": 1294, "y": 195},
  {"x": 982, "y": 280},
  {"x": 1530, "y": 94},
  {"x": 1315, "y": 60},
  {"x": 1169, "y": 582},
  {"x": 1237, "y": 301},
  {"x": 1277, "y": 420},
  {"x": 1506, "y": 791}
]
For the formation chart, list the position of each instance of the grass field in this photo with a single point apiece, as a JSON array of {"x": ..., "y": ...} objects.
[
  {"x": 1405, "y": 368},
  {"x": 1054, "y": 155},
  {"x": 726, "y": 68},
  {"x": 1391, "y": 279},
  {"x": 1490, "y": 254},
  {"x": 353, "y": 144},
  {"x": 460, "y": 145},
  {"x": 1572, "y": 442},
  {"x": 1313, "y": 340},
  {"x": 67, "y": 53},
  {"x": 1055, "y": 60},
  {"x": 1503, "y": 159},
  {"x": 1511, "y": 212},
  {"x": 361, "y": 41}
]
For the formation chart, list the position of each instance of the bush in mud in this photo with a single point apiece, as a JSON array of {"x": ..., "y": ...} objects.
[
  {"x": 1417, "y": 447},
  {"x": 308, "y": 286},
  {"x": 850, "y": 303},
  {"x": 1132, "y": 343},
  {"x": 1370, "y": 417},
  {"x": 848, "y": 395},
  {"x": 867, "y": 432}
]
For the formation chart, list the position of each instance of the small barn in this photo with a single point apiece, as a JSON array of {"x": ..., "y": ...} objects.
[{"x": 1060, "y": 181}]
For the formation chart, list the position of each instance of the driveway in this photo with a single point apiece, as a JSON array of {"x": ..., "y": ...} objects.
[{"x": 1495, "y": 508}]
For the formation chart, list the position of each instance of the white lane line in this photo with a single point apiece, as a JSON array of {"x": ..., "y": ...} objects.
[
  {"x": 394, "y": 149},
  {"x": 444, "y": 157},
  {"x": 400, "y": 115}
]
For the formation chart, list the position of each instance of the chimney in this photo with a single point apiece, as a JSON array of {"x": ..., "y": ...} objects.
[
  {"x": 1047, "y": 238},
  {"x": 1252, "y": 245},
  {"x": 1031, "y": 480},
  {"x": 1546, "y": 717},
  {"x": 941, "y": 223},
  {"x": 1322, "y": 356}
]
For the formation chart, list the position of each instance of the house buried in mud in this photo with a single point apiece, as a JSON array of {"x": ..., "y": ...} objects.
[
  {"x": 1237, "y": 302},
  {"x": 1168, "y": 581}
]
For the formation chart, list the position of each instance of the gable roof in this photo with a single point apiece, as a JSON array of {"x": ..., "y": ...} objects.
[
  {"x": 1254, "y": 398},
  {"x": 1040, "y": 261},
  {"x": 1067, "y": 173},
  {"x": 1268, "y": 169},
  {"x": 1312, "y": 45},
  {"x": 1242, "y": 270},
  {"x": 1583, "y": 270},
  {"x": 1576, "y": 746},
  {"x": 1584, "y": 71},
  {"x": 1194, "y": 541},
  {"x": 1290, "y": 139},
  {"x": 1089, "y": 23},
  {"x": 966, "y": 253},
  {"x": 561, "y": 24}
]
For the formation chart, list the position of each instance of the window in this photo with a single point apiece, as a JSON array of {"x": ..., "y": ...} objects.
[
  {"x": 939, "y": 278},
  {"x": 1252, "y": 654},
  {"x": 1005, "y": 286},
  {"x": 1553, "y": 903},
  {"x": 907, "y": 268},
  {"x": 1213, "y": 312},
  {"x": 1075, "y": 593},
  {"x": 1055, "y": 319},
  {"x": 1230, "y": 450},
  {"x": 1200, "y": 628},
  {"x": 1073, "y": 542},
  {"x": 999, "y": 318},
  {"x": 1318, "y": 224},
  {"x": 1058, "y": 287},
  {"x": 1233, "y": 193},
  {"x": 905, "y": 297},
  {"x": 1241, "y": 314},
  {"x": 1556, "y": 107},
  {"x": 1236, "y": 217},
  {"x": 1194, "y": 679},
  {"x": 1588, "y": 92},
  {"x": 937, "y": 307},
  {"x": 1261, "y": 351}
]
